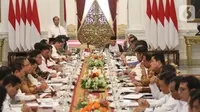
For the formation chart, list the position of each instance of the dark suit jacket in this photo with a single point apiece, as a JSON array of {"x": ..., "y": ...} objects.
[{"x": 120, "y": 47}]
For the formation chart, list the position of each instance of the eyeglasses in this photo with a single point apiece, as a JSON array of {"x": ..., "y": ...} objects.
[{"x": 181, "y": 89}]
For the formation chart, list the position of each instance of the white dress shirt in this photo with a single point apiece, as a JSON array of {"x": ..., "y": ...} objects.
[
  {"x": 138, "y": 71},
  {"x": 43, "y": 67},
  {"x": 170, "y": 104},
  {"x": 54, "y": 31},
  {"x": 114, "y": 49},
  {"x": 159, "y": 102},
  {"x": 55, "y": 54},
  {"x": 181, "y": 107},
  {"x": 156, "y": 93},
  {"x": 23, "y": 97},
  {"x": 51, "y": 62},
  {"x": 7, "y": 105},
  {"x": 33, "y": 80}
]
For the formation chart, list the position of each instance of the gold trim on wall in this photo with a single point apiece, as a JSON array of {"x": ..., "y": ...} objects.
[
  {"x": 197, "y": 20},
  {"x": 0, "y": 11}
]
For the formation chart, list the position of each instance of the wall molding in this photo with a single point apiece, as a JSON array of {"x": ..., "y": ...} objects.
[{"x": 141, "y": 33}]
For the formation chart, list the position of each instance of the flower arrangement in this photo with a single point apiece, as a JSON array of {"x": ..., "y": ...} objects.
[
  {"x": 95, "y": 61},
  {"x": 93, "y": 107},
  {"x": 91, "y": 104},
  {"x": 93, "y": 82},
  {"x": 94, "y": 78}
]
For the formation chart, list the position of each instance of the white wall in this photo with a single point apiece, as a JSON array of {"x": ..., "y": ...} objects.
[
  {"x": 122, "y": 12},
  {"x": 136, "y": 17},
  {"x": 71, "y": 12}
]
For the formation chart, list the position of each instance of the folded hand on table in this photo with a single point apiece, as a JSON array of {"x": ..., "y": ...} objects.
[
  {"x": 57, "y": 67},
  {"x": 138, "y": 89},
  {"x": 143, "y": 103},
  {"x": 127, "y": 71},
  {"x": 68, "y": 59},
  {"x": 39, "y": 78},
  {"x": 68, "y": 52},
  {"x": 25, "y": 108},
  {"x": 132, "y": 74},
  {"x": 53, "y": 75},
  {"x": 153, "y": 80},
  {"x": 136, "y": 83},
  {"x": 139, "y": 109},
  {"x": 43, "y": 86}
]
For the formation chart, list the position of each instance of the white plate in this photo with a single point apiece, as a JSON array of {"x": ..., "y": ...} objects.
[
  {"x": 109, "y": 98},
  {"x": 45, "y": 100},
  {"x": 127, "y": 90},
  {"x": 133, "y": 96},
  {"x": 55, "y": 84},
  {"x": 125, "y": 103},
  {"x": 124, "y": 90},
  {"x": 16, "y": 106},
  {"x": 129, "y": 84},
  {"x": 33, "y": 104},
  {"x": 17, "y": 109}
]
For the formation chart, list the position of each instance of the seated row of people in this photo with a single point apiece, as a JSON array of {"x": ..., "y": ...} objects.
[
  {"x": 170, "y": 91},
  {"x": 26, "y": 77}
]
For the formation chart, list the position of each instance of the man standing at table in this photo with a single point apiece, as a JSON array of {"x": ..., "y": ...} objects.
[{"x": 56, "y": 29}]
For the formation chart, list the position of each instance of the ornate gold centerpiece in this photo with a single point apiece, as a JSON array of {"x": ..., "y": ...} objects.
[{"x": 95, "y": 29}]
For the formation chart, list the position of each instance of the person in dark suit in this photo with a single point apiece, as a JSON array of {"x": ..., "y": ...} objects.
[{"x": 113, "y": 46}]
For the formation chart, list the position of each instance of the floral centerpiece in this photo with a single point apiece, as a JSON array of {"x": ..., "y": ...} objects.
[
  {"x": 95, "y": 61},
  {"x": 93, "y": 80},
  {"x": 91, "y": 104}
]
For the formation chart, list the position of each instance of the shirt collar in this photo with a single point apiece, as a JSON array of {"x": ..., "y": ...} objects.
[
  {"x": 8, "y": 98},
  {"x": 42, "y": 57},
  {"x": 183, "y": 102},
  {"x": 53, "y": 47},
  {"x": 56, "y": 26}
]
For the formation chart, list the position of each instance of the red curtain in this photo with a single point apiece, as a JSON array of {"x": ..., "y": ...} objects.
[
  {"x": 113, "y": 11},
  {"x": 80, "y": 10}
]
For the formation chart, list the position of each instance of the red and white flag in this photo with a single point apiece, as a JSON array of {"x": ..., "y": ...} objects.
[
  {"x": 11, "y": 27},
  {"x": 148, "y": 22},
  {"x": 28, "y": 25},
  {"x": 161, "y": 25},
  {"x": 17, "y": 25},
  {"x": 167, "y": 14},
  {"x": 154, "y": 21},
  {"x": 23, "y": 25},
  {"x": 173, "y": 26},
  {"x": 65, "y": 15},
  {"x": 35, "y": 29}
]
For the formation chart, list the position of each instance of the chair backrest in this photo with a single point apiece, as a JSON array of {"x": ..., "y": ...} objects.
[
  {"x": 122, "y": 27},
  {"x": 71, "y": 28},
  {"x": 121, "y": 31}
]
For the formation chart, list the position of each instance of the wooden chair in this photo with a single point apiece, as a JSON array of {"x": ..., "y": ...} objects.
[
  {"x": 170, "y": 55},
  {"x": 121, "y": 31},
  {"x": 71, "y": 31},
  {"x": 13, "y": 55}
]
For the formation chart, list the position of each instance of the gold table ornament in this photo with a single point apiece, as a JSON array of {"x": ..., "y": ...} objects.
[{"x": 190, "y": 40}]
